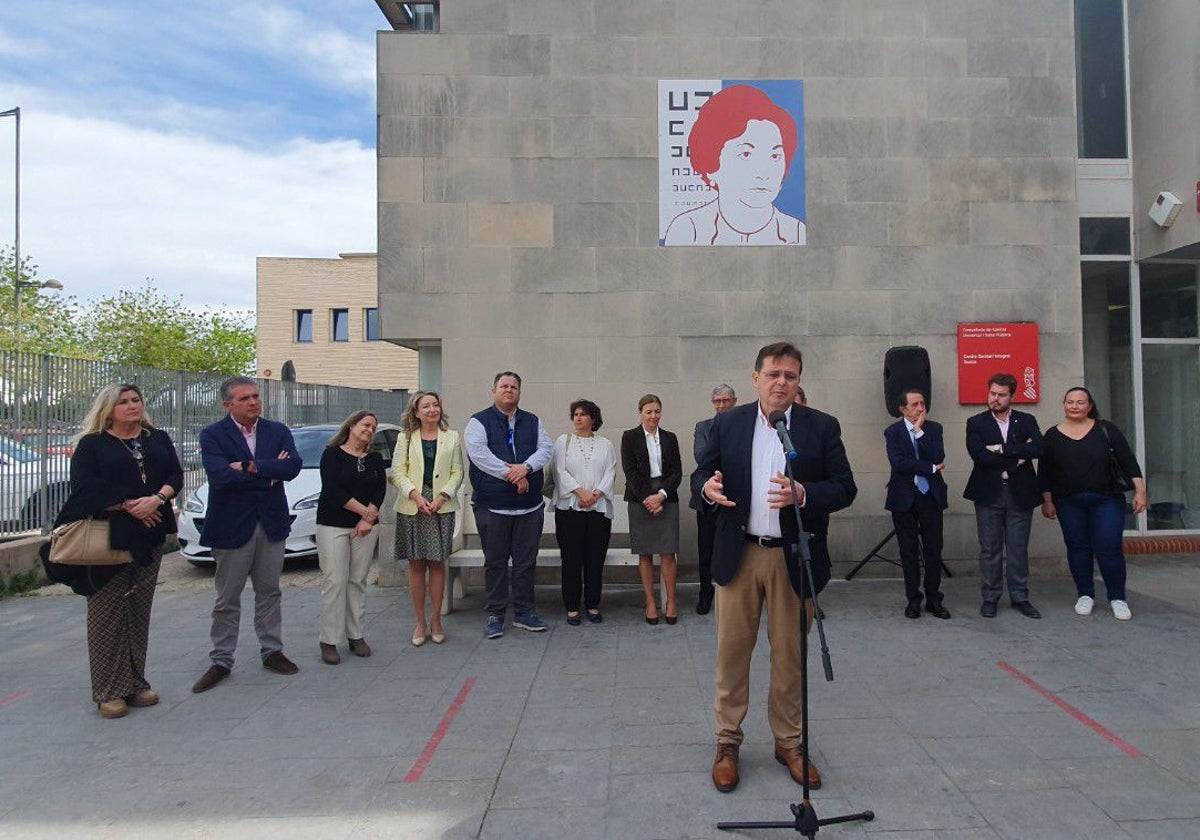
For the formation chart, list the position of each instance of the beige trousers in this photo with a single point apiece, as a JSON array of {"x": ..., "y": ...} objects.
[
  {"x": 345, "y": 560},
  {"x": 761, "y": 580}
]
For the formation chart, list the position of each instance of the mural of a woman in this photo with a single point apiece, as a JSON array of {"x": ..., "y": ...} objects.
[{"x": 742, "y": 145}]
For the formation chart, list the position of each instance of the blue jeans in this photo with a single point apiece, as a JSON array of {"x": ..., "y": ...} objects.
[{"x": 1092, "y": 526}]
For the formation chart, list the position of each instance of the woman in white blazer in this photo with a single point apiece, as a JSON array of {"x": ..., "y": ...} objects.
[{"x": 427, "y": 470}]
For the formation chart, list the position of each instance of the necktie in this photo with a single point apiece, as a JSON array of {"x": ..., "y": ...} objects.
[{"x": 922, "y": 481}]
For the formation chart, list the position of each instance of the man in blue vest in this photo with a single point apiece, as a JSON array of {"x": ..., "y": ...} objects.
[{"x": 508, "y": 448}]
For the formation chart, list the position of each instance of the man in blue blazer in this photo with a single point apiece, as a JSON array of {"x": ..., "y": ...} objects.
[
  {"x": 1003, "y": 443},
  {"x": 741, "y": 473},
  {"x": 247, "y": 459},
  {"x": 916, "y": 497}
]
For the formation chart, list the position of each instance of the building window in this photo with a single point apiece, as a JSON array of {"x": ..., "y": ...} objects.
[
  {"x": 1100, "y": 78},
  {"x": 371, "y": 324},
  {"x": 410, "y": 17},
  {"x": 1104, "y": 236},
  {"x": 339, "y": 325},
  {"x": 304, "y": 325}
]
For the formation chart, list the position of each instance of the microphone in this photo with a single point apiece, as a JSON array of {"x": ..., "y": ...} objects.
[{"x": 778, "y": 421}]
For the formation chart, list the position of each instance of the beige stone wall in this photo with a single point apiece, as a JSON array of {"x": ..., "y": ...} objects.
[
  {"x": 1164, "y": 81},
  {"x": 518, "y": 215},
  {"x": 286, "y": 284}
]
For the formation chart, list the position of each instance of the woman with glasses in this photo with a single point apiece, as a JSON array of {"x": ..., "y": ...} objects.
[
  {"x": 124, "y": 471},
  {"x": 1078, "y": 490},
  {"x": 353, "y": 483},
  {"x": 427, "y": 469}
]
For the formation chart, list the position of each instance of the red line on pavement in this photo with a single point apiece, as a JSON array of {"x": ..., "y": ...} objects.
[
  {"x": 14, "y": 698},
  {"x": 1124, "y": 746},
  {"x": 431, "y": 747}
]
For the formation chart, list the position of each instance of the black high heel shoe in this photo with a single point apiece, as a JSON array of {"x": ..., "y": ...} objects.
[{"x": 652, "y": 621}]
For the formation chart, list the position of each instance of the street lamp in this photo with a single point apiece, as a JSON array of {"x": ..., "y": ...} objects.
[{"x": 16, "y": 113}]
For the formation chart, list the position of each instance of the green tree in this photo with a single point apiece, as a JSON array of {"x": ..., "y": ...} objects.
[
  {"x": 145, "y": 327},
  {"x": 49, "y": 320}
]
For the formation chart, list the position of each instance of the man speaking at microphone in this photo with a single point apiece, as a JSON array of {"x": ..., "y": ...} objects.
[{"x": 741, "y": 473}]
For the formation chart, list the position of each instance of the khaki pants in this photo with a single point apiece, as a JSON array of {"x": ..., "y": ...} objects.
[
  {"x": 761, "y": 580},
  {"x": 345, "y": 561}
]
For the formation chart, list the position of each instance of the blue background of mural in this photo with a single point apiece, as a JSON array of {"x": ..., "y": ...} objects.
[{"x": 788, "y": 94}]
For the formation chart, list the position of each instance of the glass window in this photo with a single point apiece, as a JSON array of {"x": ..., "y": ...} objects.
[
  {"x": 1107, "y": 353},
  {"x": 1101, "y": 236},
  {"x": 1100, "y": 78},
  {"x": 339, "y": 326},
  {"x": 371, "y": 324},
  {"x": 1171, "y": 388},
  {"x": 1168, "y": 301},
  {"x": 304, "y": 325}
]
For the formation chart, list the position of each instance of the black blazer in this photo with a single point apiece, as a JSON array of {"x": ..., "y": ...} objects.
[
  {"x": 635, "y": 461},
  {"x": 699, "y": 439},
  {"x": 1024, "y": 442},
  {"x": 821, "y": 466},
  {"x": 901, "y": 489}
]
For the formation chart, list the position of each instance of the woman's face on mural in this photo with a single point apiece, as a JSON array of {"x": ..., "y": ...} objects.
[{"x": 752, "y": 165}]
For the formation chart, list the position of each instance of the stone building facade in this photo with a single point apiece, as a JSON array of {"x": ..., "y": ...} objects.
[{"x": 518, "y": 210}]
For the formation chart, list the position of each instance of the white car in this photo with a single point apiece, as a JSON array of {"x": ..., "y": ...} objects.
[
  {"x": 302, "y": 494},
  {"x": 21, "y": 474}
]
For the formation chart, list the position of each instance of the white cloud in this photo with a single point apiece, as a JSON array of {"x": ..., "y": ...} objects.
[
  {"x": 323, "y": 52},
  {"x": 105, "y": 205}
]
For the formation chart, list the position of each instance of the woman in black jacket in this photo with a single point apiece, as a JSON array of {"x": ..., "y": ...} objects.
[
  {"x": 653, "y": 471},
  {"x": 126, "y": 471},
  {"x": 1078, "y": 489}
]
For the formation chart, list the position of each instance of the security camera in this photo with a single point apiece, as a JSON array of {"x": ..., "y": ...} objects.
[{"x": 1164, "y": 209}]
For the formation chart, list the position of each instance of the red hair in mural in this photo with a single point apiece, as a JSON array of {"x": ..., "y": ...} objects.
[{"x": 725, "y": 116}]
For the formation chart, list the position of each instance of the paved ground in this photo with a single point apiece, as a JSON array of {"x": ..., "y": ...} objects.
[{"x": 605, "y": 731}]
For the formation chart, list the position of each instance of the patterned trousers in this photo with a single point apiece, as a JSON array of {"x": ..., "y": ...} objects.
[{"x": 118, "y": 627}]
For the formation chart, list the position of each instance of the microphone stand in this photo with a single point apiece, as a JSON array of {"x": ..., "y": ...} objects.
[{"x": 804, "y": 816}]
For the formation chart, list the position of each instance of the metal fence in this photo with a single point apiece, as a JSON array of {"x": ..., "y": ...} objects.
[{"x": 43, "y": 399}]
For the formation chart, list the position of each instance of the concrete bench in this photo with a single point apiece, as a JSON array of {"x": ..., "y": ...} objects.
[{"x": 468, "y": 554}]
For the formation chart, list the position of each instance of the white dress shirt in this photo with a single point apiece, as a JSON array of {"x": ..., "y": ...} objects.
[{"x": 766, "y": 460}]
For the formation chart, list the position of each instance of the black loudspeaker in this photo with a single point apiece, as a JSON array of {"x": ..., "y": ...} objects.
[{"x": 906, "y": 369}]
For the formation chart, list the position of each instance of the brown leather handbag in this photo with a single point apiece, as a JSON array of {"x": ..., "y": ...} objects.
[{"x": 85, "y": 542}]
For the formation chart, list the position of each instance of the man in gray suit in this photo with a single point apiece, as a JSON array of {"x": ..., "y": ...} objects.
[{"x": 723, "y": 399}]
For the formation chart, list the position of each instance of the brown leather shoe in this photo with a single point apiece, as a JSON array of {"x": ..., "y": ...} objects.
[
  {"x": 329, "y": 654},
  {"x": 280, "y": 664},
  {"x": 112, "y": 709},
  {"x": 725, "y": 768},
  {"x": 209, "y": 678},
  {"x": 145, "y": 697},
  {"x": 793, "y": 759},
  {"x": 359, "y": 647}
]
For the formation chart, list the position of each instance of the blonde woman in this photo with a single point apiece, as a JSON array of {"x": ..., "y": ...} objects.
[
  {"x": 427, "y": 470},
  {"x": 353, "y": 483},
  {"x": 126, "y": 471}
]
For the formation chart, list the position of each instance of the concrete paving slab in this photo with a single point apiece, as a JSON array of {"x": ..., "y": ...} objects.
[{"x": 606, "y": 731}]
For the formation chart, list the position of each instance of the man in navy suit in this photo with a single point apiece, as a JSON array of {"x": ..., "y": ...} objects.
[
  {"x": 1003, "y": 485},
  {"x": 741, "y": 473},
  {"x": 723, "y": 399},
  {"x": 247, "y": 459},
  {"x": 916, "y": 497}
]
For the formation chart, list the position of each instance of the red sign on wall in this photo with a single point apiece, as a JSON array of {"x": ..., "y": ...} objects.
[{"x": 988, "y": 349}]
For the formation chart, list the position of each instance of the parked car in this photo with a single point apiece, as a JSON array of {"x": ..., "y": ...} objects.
[
  {"x": 302, "y": 494},
  {"x": 21, "y": 473}
]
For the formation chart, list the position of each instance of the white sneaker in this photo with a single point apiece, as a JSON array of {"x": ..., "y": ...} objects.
[
  {"x": 1084, "y": 605},
  {"x": 1120, "y": 610}
]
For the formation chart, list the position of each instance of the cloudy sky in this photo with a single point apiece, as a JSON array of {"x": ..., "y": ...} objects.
[{"x": 179, "y": 141}]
